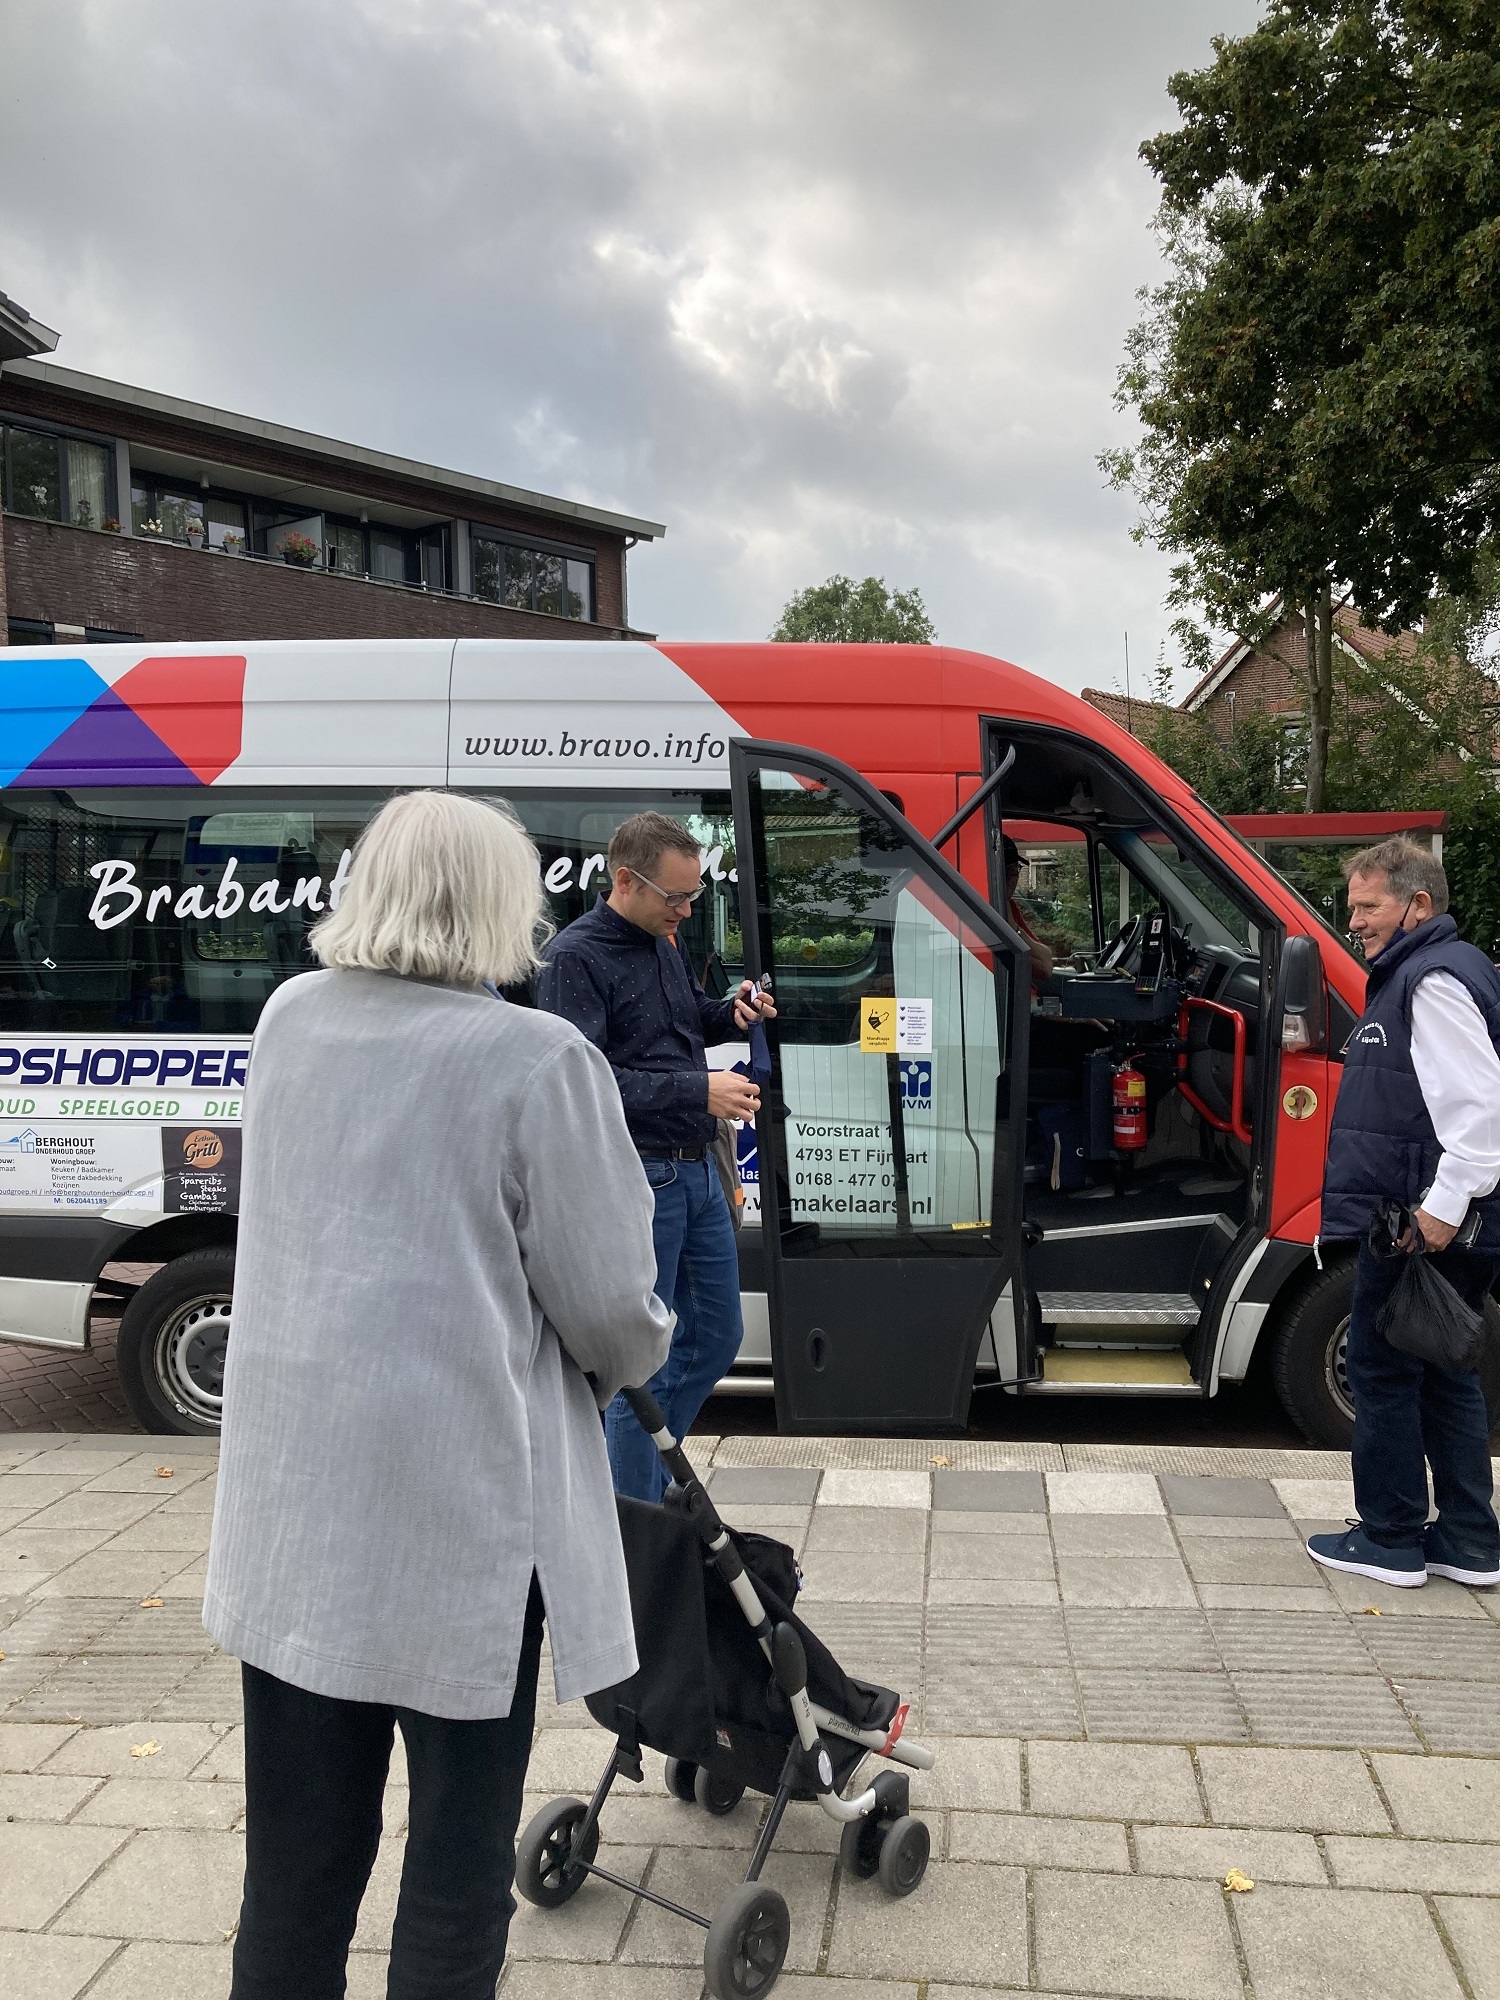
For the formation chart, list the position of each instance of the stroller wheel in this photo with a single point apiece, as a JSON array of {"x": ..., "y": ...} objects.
[
  {"x": 681, "y": 1779},
  {"x": 747, "y": 1943},
  {"x": 548, "y": 1871},
  {"x": 716, "y": 1795},
  {"x": 903, "y": 1856},
  {"x": 859, "y": 1847}
]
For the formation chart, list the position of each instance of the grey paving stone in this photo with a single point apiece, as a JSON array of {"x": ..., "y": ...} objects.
[
  {"x": 1311, "y": 1597},
  {"x": 702, "y": 1880},
  {"x": 1404, "y": 1650},
  {"x": 26, "y": 1745},
  {"x": 1005, "y": 1701},
  {"x": 1443, "y": 1798},
  {"x": 1103, "y": 1493},
  {"x": 1120, "y": 1781},
  {"x": 1319, "y": 1791},
  {"x": 616, "y": 1982},
  {"x": 1475, "y": 1929},
  {"x": 871, "y": 1575},
  {"x": 106, "y": 1572},
  {"x": 958, "y": 1634},
  {"x": 1113, "y": 1535},
  {"x": 42, "y": 1866},
  {"x": 1437, "y": 1598},
  {"x": 28, "y": 1556},
  {"x": 1133, "y": 1934},
  {"x": 49, "y": 1968},
  {"x": 1135, "y": 1703},
  {"x": 105, "y": 1753},
  {"x": 88, "y": 1508},
  {"x": 1211, "y": 1851},
  {"x": 771, "y": 1485},
  {"x": 63, "y": 1625},
  {"x": 1243, "y": 1528},
  {"x": 988, "y": 1492},
  {"x": 1325, "y": 1708},
  {"x": 1002, "y": 1558},
  {"x": 1149, "y": 1639},
  {"x": 1123, "y": 1580},
  {"x": 19, "y": 1676},
  {"x": 148, "y": 1971},
  {"x": 1455, "y": 1715},
  {"x": 966, "y": 1923},
  {"x": 1272, "y": 1641},
  {"x": 174, "y": 1802},
  {"x": 1028, "y": 1840},
  {"x": 1225, "y": 1559},
  {"x": 650, "y": 1821},
  {"x": 1037, "y": 1591},
  {"x": 176, "y": 1626},
  {"x": 1342, "y": 1944},
  {"x": 899, "y": 1529},
  {"x": 1426, "y": 1866},
  {"x": 982, "y": 1773},
  {"x": 958, "y": 1522},
  {"x": 212, "y": 1692},
  {"x": 1189, "y": 1495},
  {"x": 103, "y": 1690},
  {"x": 854, "y": 1632},
  {"x": 36, "y": 1795}
]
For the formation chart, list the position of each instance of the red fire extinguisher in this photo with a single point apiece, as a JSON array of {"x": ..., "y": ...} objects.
[{"x": 1128, "y": 1104}]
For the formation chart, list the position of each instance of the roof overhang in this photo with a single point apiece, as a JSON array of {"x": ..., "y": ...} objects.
[
  {"x": 125, "y": 400},
  {"x": 21, "y": 336}
]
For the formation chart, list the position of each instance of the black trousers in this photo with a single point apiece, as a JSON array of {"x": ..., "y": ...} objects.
[{"x": 315, "y": 1772}]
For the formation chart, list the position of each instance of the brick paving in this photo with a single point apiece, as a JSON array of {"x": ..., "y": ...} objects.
[
  {"x": 56, "y": 1389},
  {"x": 1134, "y": 1679}
]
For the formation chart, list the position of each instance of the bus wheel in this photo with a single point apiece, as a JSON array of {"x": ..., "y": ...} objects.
[
  {"x": 173, "y": 1336},
  {"x": 1308, "y": 1361},
  {"x": 1309, "y": 1368}
]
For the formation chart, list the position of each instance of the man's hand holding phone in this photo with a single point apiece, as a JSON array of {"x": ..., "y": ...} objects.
[{"x": 753, "y": 1002}]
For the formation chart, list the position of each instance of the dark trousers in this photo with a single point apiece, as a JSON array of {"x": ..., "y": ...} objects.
[
  {"x": 1408, "y": 1414},
  {"x": 315, "y": 1772}
]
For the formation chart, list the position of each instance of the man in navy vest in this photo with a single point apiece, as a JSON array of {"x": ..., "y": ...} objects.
[{"x": 1417, "y": 1121}]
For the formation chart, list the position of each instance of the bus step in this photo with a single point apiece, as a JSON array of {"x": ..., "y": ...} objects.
[
  {"x": 1092, "y": 1372},
  {"x": 1119, "y": 1309}
]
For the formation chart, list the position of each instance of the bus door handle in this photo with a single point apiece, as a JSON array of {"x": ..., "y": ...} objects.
[{"x": 1235, "y": 1123}]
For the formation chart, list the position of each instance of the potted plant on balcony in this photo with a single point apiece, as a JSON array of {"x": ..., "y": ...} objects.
[
  {"x": 110, "y": 525},
  {"x": 301, "y": 551},
  {"x": 196, "y": 533},
  {"x": 233, "y": 544}
]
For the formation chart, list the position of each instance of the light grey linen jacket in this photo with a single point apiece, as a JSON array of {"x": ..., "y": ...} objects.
[{"x": 443, "y": 1227}]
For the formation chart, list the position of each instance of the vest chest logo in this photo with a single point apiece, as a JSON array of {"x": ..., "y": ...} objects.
[{"x": 1372, "y": 1035}]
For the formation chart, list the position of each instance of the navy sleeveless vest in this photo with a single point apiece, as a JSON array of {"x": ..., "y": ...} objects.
[{"x": 1382, "y": 1145}]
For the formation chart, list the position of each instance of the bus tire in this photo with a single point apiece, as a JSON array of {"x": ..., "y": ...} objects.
[
  {"x": 1308, "y": 1359},
  {"x": 173, "y": 1334}
]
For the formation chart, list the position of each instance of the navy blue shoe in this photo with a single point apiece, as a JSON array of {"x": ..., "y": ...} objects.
[
  {"x": 1480, "y": 1572},
  {"x": 1355, "y": 1552}
]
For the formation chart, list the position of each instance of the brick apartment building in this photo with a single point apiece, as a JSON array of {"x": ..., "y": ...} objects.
[{"x": 129, "y": 514}]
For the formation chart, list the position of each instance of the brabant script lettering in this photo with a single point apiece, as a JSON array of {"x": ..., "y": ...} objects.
[{"x": 118, "y": 896}]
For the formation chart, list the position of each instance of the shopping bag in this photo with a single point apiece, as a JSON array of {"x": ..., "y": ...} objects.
[{"x": 1424, "y": 1316}]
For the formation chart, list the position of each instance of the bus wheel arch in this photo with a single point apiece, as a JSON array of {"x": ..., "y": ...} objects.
[{"x": 172, "y": 1341}]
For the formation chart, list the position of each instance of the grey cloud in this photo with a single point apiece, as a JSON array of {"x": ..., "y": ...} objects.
[{"x": 840, "y": 287}]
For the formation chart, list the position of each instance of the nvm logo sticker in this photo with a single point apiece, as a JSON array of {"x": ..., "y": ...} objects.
[{"x": 916, "y": 1086}]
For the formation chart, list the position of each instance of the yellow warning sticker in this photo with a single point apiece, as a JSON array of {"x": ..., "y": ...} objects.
[{"x": 877, "y": 1026}]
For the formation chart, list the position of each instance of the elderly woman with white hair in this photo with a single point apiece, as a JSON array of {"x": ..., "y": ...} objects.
[{"x": 445, "y": 1272}]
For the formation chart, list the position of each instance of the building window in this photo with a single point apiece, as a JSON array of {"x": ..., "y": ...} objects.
[
  {"x": 531, "y": 578},
  {"x": 54, "y": 478},
  {"x": 179, "y": 514}
]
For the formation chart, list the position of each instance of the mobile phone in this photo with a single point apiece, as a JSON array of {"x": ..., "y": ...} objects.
[{"x": 763, "y": 984}]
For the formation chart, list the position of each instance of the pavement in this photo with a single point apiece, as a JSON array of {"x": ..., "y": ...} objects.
[{"x": 1135, "y": 1680}]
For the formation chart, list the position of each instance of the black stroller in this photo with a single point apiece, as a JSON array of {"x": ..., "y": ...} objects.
[{"x": 739, "y": 1695}]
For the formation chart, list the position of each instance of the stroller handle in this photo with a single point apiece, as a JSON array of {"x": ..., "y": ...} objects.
[{"x": 646, "y": 1411}]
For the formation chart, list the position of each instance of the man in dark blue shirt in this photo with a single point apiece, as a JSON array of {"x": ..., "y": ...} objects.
[{"x": 618, "y": 975}]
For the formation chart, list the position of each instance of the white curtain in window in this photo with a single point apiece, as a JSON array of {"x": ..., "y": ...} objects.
[{"x": 88, "y": 484}]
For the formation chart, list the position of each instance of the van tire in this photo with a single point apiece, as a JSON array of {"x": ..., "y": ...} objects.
[
  {"x": 1306, "y": 1360},
  {"x": 170, "y": 1352}
]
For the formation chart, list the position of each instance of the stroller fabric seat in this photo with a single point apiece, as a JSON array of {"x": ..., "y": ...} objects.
[{"x": 703, "y": 1691}]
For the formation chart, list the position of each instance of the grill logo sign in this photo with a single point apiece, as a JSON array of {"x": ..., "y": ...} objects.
[{"x": 202, "y": 1150}]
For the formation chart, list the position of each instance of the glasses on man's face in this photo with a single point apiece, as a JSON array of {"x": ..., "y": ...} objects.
[{"x": 675, "y": 899}]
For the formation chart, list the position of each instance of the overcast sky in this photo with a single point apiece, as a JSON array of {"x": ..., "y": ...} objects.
[{"x": 839, "y": 286}]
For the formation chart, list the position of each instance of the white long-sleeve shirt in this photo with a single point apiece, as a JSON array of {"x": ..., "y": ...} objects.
[{"x": 1458, "y": 1073}]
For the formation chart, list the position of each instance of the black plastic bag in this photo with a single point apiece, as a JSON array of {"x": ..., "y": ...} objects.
[{"x": 1424, "y": 1316}]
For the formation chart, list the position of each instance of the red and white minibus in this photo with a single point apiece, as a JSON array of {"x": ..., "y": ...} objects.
[{"x": 1064, "y": 1143}]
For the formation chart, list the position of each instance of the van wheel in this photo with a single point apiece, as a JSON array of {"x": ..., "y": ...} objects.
[
  {"x": 173, "y": 1337},
  {"x": 1308, "y": 1360}
]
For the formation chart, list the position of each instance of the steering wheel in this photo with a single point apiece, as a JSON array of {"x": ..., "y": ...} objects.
[{"x": 1120, "y": 946}]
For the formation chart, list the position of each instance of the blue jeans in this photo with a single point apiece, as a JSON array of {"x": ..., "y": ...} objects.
[
  {"x": 698, "y": 1274},
  {"x": 1408, "y": 1413}
]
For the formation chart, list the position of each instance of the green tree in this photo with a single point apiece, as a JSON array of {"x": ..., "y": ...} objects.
[
  {"x": 1318, "y": 381},
  {"x": 850, "y": 613}
]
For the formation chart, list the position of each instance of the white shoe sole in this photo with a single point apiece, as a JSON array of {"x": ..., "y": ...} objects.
[
  {"x": 1400, "y": 1579},
  {"x": 1477, "y": 1579}
]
